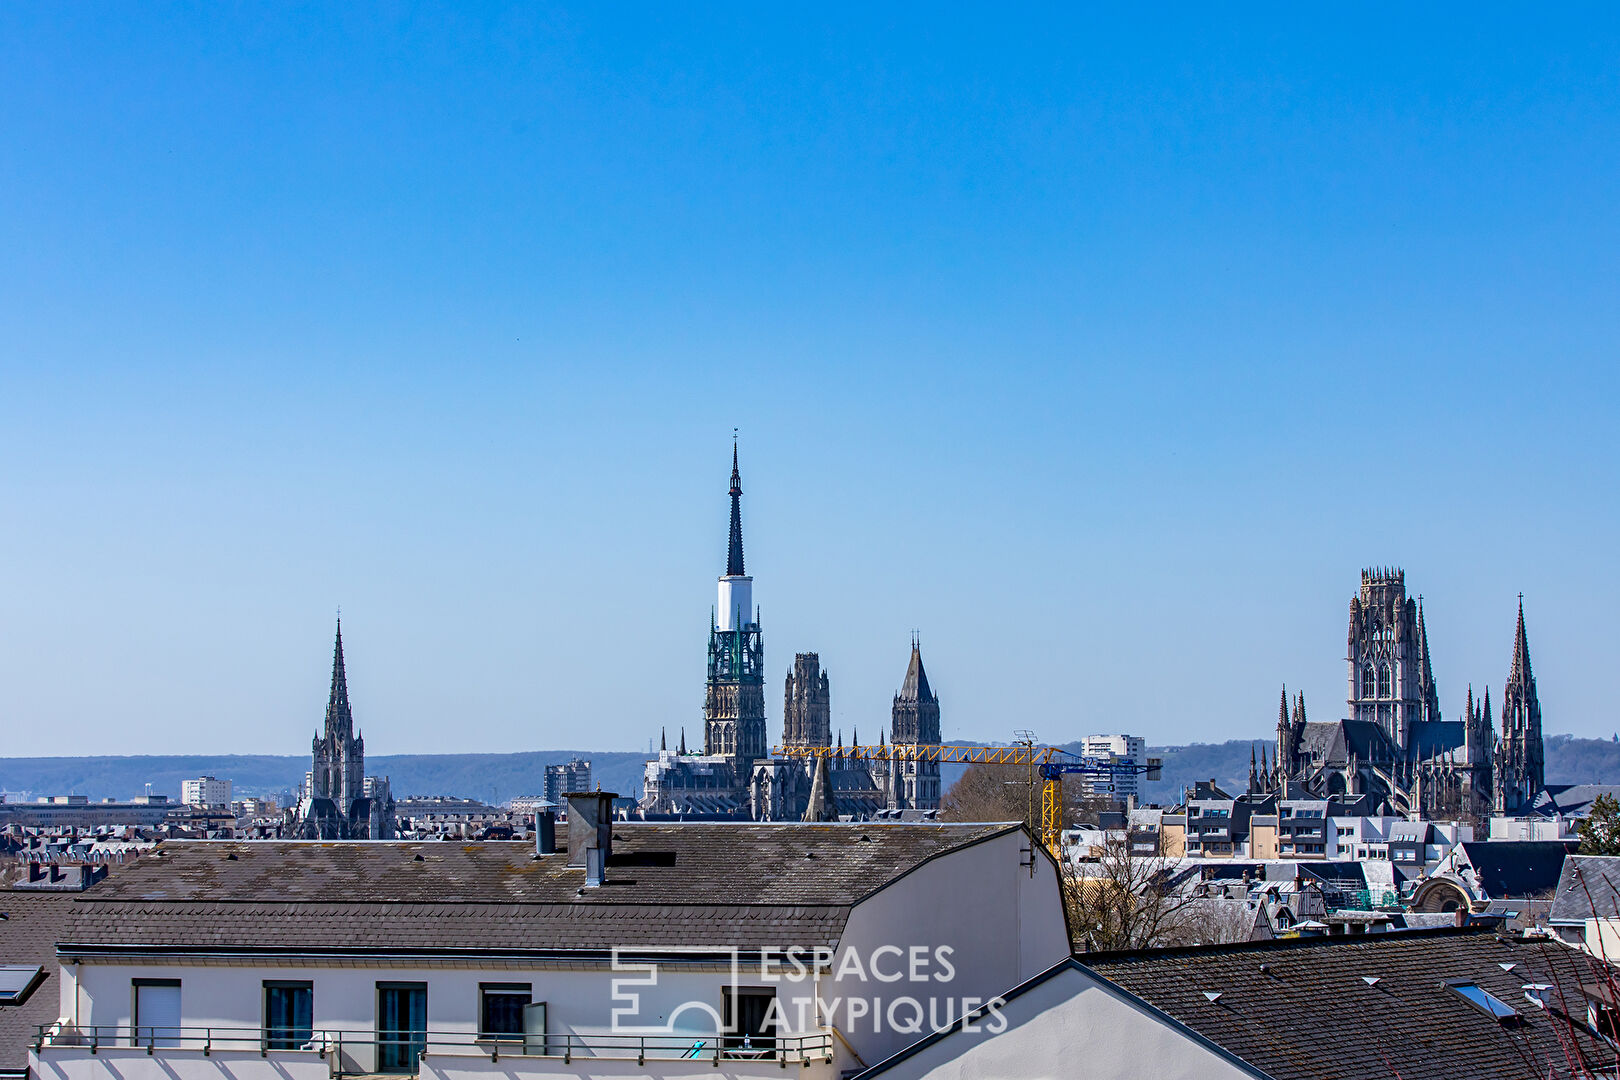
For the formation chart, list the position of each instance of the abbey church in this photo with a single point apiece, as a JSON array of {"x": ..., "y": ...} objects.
[{"x": 1395, "y": 745}]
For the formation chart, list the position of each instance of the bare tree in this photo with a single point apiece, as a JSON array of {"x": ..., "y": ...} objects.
[{"x": 1126, "y": 900}]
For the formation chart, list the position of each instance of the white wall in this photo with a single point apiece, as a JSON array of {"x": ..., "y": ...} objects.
[
  {"x": 1003, "y": 926},
  {"x": 134, "y": 1064},
  {"x": 999, "y": 921},
  {"x": 578, "y": 1002},
  {"x": 1069, "y": 1026}
]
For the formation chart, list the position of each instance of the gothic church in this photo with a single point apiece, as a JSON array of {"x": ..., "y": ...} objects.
[{"x": 1395, "y": 745}]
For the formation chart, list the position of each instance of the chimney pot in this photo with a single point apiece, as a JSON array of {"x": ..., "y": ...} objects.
[{"x": 545, "y": 832}]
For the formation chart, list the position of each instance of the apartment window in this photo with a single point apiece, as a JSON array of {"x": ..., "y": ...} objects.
[
  {"x": 157, "y": 1012},
  {"x": 748, "y": 1019},
  {"x": 289, "y": 1014},
  {"x": 500, "y": 1009}
]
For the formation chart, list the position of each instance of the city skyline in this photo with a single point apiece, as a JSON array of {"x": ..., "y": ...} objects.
[{"x": 1102, "y": 352}]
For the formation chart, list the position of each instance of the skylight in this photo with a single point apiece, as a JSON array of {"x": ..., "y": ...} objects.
[
  {"x": 16, "y": 981},
  {"x": 1484, "y": 1000}
]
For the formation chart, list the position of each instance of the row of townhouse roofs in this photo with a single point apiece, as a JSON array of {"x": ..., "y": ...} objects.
[
  {"x": 156, "y": 816},
  {"x": 1211, "y": 823},
  {"x": 731, "y": 950}
]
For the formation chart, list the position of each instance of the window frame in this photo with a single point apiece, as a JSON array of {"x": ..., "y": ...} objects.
[
  {"x": 485, "y": 989},
  {"x": 266, "y": 986}
]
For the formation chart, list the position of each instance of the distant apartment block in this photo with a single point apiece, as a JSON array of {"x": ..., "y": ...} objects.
[
  {"x": 205, "y": 791},
  {"x": 562, "y": 779},
  {"x": 1121, "y": 749}
]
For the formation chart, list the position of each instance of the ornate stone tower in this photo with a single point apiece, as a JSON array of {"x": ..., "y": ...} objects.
[
  {"x": 914, "y": 785},
  {"x": 1519, "y": 764},
  {"x": 806, "y": 708},
  {"x": 338, "y": 758},
  {"x": 734, "y": 705},
  {"x": 1391, "y": 681}
]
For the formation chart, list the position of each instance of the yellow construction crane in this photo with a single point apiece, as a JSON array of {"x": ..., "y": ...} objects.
[{"x": 1050, "y": 761}]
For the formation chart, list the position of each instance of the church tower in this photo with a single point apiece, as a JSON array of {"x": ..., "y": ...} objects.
[
  {"x": 914, "y": 784},
  {"x": 806, "y": 708},
  {"x": 1519, "y": 766},
  {"x": 338, "y": 755},
  {"x": 1391, "y": 681},
  {"x": 734, "y": 705}
]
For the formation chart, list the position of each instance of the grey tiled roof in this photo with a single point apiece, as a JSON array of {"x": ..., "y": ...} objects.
[
  {"x": 1571, "y": 800},
  {"x": 1302, "y": 1010},
  {"x": 687, "y": 885},
  {"x": 1589, "y": 887},
  {"x": 28, "y": 933},
  {"x": 1516, "y": 868}
]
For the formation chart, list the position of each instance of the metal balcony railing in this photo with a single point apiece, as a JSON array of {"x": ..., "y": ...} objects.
[{"x": 401, "y": 1051}]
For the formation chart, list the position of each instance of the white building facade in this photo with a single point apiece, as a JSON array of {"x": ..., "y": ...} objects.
[
  {"x": 206, "y": 792},
  {"x": 695, "y": 949}
]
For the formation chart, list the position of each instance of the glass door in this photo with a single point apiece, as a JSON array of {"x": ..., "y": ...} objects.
[
  {"x": 401, "y": 1026},
  {"x": 289, "y": 1010}
]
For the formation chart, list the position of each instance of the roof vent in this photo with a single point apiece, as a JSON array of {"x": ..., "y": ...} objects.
[
  {"x": 418, "y": 858},
  {"x": 1212, "y": 996},
  {"x": 863, "y": 839},
  {"x": 231, "y": 856},
  {"x": 1371, "y": 980},
  {"x": 1265, "y": 969},
  {"x": 1507, "y": 967}
]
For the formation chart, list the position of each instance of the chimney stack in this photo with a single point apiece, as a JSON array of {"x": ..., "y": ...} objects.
[{"x": 590, "y": 833}]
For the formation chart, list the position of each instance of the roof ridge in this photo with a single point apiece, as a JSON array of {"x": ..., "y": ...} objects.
[{"x": 1278, "y": 944}]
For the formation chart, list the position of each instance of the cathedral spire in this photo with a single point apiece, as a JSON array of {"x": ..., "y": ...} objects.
[
  {"x": 1520, "y": 672},
  {"x": 734, "y": 550},
  {"x": 915, "y": 688},
  {"x": 340, "y": 678},
  {"x": 339, "y": 718}
]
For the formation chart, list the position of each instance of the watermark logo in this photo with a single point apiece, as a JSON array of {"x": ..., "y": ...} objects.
[{"x": 907, "y": 990}]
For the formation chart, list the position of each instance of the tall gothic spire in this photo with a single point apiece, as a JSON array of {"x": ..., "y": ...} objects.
[
  {"x": 734, "y": 551},
  {"x": 338, "y": 716},
  {"x": 1520, "y": 672}
]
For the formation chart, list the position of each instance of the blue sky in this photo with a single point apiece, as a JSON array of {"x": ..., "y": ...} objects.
[{"x": 1101, "y": 349}]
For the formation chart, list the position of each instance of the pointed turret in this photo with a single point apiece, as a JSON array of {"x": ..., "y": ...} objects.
[
  {"x": 682, "y": 750},
  {"x": 822, "y": 806},
  {"x": 915, "y": 687},
  {"x": 1428, "y": 694},
  {"x": 734, "y": 550}
]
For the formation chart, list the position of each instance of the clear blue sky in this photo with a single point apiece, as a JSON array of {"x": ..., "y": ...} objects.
[{"x": 1102, "y": 350}]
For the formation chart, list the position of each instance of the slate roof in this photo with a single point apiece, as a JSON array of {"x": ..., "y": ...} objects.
[
  {"x": 1302, "y": 1010},
  {"x": 1522, "y": 868},
  {"x": 1332, "y": 742},
  {"x": 1588, "y": 887},
  {"x": 28, "y": 932},
  {"x": 673, "y": 886},
  {"x": 1571, "y": 800}
]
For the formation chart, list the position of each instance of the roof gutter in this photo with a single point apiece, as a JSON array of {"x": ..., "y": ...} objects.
[{"x": 70, "y": 952}]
